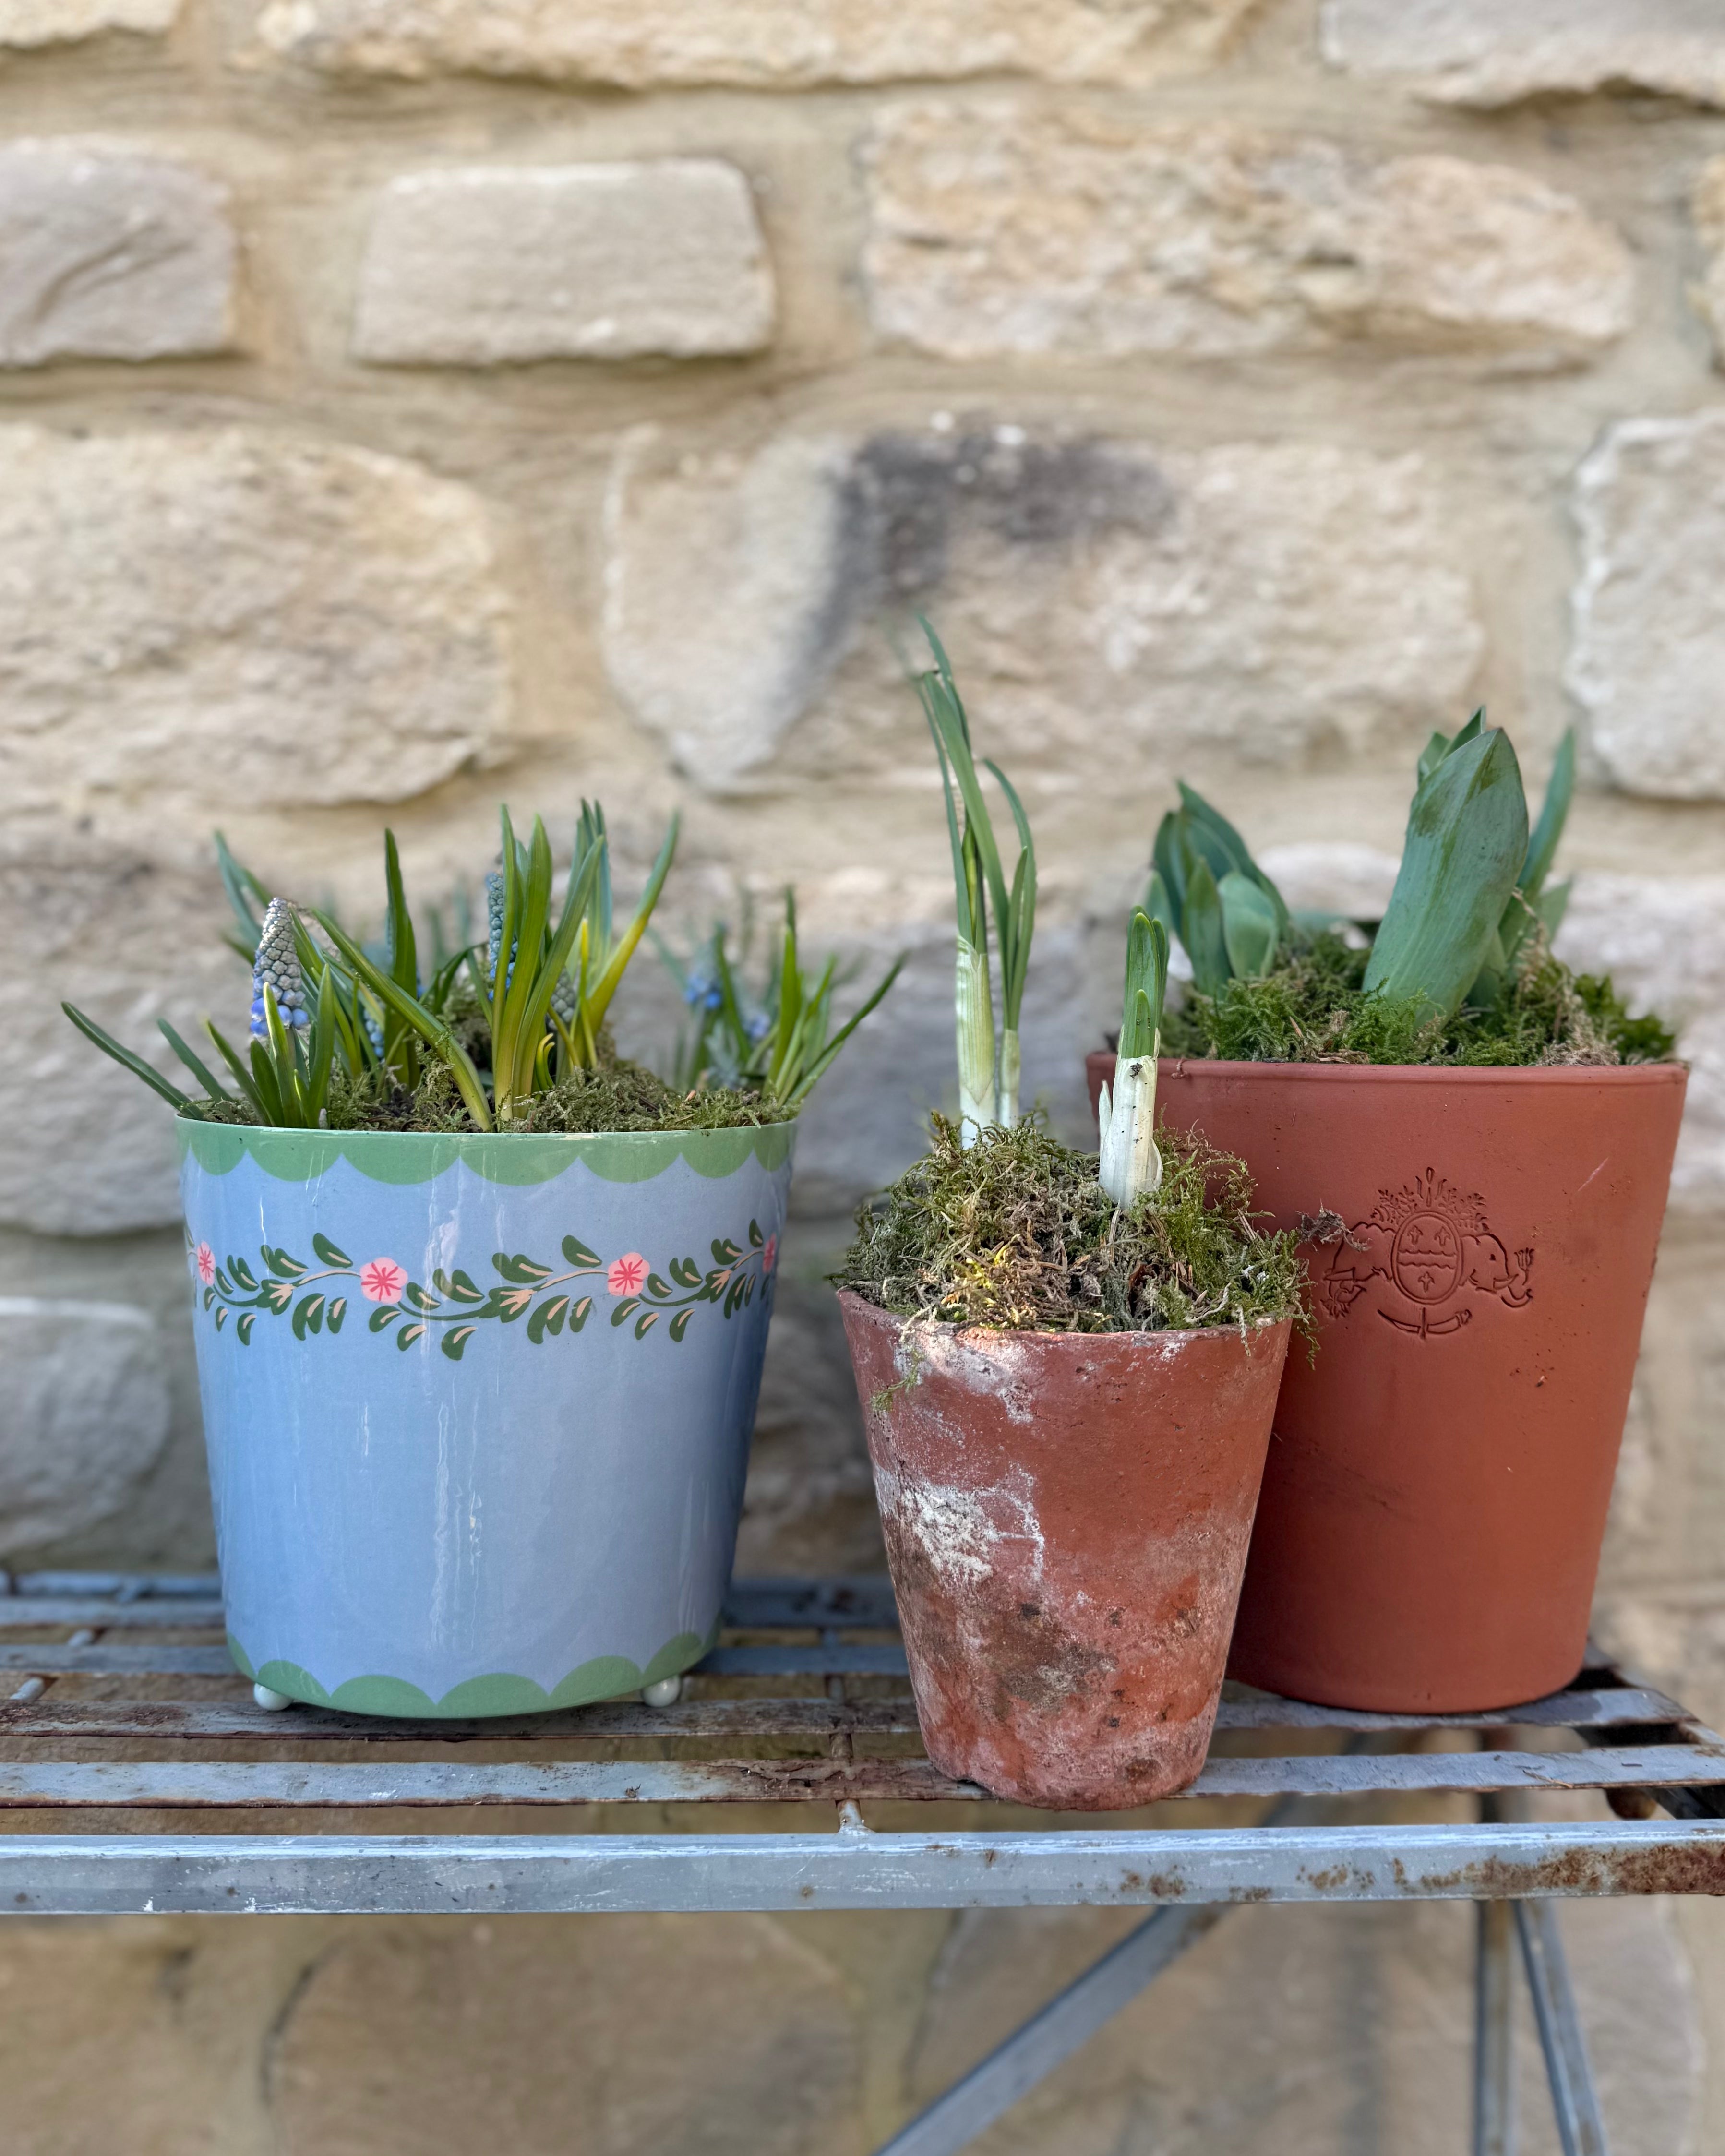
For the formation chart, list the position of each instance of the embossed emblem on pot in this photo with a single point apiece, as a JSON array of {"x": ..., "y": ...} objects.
[{"x": 1424, "y": 1255}]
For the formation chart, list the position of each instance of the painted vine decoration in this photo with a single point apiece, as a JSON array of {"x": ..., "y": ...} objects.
[{"x": 546, "y": 1297}]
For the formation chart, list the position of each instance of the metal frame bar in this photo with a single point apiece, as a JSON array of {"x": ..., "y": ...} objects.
[
  {"x": 1494, "y": 2059},
  {"x": 857, "y": 1868},
  {"x": 1581, "y": 2125}
]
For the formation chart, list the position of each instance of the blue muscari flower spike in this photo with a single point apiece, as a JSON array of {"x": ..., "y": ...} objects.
[
  {"x": 277, "y": 967},
  {"x": 493, "y": 938},
  {"x": 758, "y": 1025},
  {"x": 702, "y": 991}
]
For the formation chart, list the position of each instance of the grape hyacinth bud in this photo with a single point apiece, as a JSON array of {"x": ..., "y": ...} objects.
[
  {"x": 494, "y": 915},
  {"x": 278, "y": 968},
  {"x": 564, "y": 1000},
  {"x": 494, "y": 939}
]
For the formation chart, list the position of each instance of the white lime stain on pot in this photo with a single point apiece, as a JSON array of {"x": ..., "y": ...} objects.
[{"x": 959, "y": 1529}]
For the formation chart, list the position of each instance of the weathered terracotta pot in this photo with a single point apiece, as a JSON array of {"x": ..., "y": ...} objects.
[
  {"x": 1066, "y": 1518},
  {"x": 1436, "y": 1490}
]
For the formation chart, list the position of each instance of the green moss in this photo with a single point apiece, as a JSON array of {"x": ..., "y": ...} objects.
[
  {"x": 621, "y": 1096},
  {"x": 1016, "y": 1232},
  {"x": 1313, "y": 1008}
]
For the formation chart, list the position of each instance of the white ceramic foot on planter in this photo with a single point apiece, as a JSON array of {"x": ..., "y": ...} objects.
[
  {"x": 272, "y": 1702},
  {"x": 665, "y": 1693}
]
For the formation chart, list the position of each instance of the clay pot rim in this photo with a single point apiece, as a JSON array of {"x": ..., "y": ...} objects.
[
  {"x": 1427, "y": 1074},
  {"x": 1181, "y": 1335}
]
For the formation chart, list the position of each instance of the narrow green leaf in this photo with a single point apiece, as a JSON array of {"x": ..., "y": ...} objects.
[
  {"x": 200, "y": 1071},
  {"x": 135, "y": 1064}
]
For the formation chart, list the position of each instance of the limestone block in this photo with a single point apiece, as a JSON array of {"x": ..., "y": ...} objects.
[
  {"x": 1662, "y": 941},
  {"x": 1479, "y": 52},
  {"x": 1270, "y": 599},
  {"x": 1337, "y": 876},
  {"x": 1000, "y": 226},
  {"x": 482, "y": 265},
  {"x": 88, "y": 1412},
  {"x": 644, "y": 44},
  {"x": 85, "y": 1148},
  {"x": 1648, "y": 648},
  {"x": 1709, "y": 210},
  {"x": 106, "y": 254},
  {"x": 721, "y": 570},
  {"x": 27, "y": 23},
  {"x": 213, "y": 620},
  {"x": 710, "y": 2035}
]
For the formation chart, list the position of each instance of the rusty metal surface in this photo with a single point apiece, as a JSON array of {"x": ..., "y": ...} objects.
[
  {"x": 852, "y": 1869},
  {"x": 301, "y": 1785}
]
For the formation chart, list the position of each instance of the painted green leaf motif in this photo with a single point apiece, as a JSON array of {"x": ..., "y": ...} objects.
[
  {"x": 527, "y": 1290},
  {"x": 548, "y": 1317}
]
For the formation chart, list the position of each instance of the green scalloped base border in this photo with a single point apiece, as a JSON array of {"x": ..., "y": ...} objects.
[
  {"x": 606, "y": 1676},
  {"x": 409, "y": 1156}
]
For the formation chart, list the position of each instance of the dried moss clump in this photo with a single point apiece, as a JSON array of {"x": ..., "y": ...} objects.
[
  {"x": 1016, "y": 1233},
  {"x": 1313, "y": 1008}
]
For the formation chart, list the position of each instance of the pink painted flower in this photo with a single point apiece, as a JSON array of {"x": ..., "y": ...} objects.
[
  {"x": 769, "y": 1254},
  {"x": 627, "y": 1275},
  {"x": 382, "y": 1280},
  {"x": 205, "y": 1263}
]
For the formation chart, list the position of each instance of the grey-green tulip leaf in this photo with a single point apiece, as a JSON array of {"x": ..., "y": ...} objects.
[
  {"x": 1203, "y": 931},
  {"x": 1250, "y": 930},
  {"x": 1467, "y": 838}
]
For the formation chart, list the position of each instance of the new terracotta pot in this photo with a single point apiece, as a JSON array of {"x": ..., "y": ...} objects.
[
  {"x": 1066, "y": 1518},
  {"x": 477, "y": 1408},
  {"x": 1436, "y": 1490}
]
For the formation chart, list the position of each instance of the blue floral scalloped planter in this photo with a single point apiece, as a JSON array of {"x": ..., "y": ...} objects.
[{"x": 478, "y": 1409}]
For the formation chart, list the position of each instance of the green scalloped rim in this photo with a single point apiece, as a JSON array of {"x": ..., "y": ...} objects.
[
  {"x": 405, "y": 1157},
  {"x": 606, "y": 1676}
]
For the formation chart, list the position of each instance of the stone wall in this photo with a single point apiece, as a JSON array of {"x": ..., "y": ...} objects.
[{"x": 412, "y": 402}]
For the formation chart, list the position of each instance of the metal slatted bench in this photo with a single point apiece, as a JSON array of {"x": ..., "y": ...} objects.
[{"x": 120, "y": 1715}]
